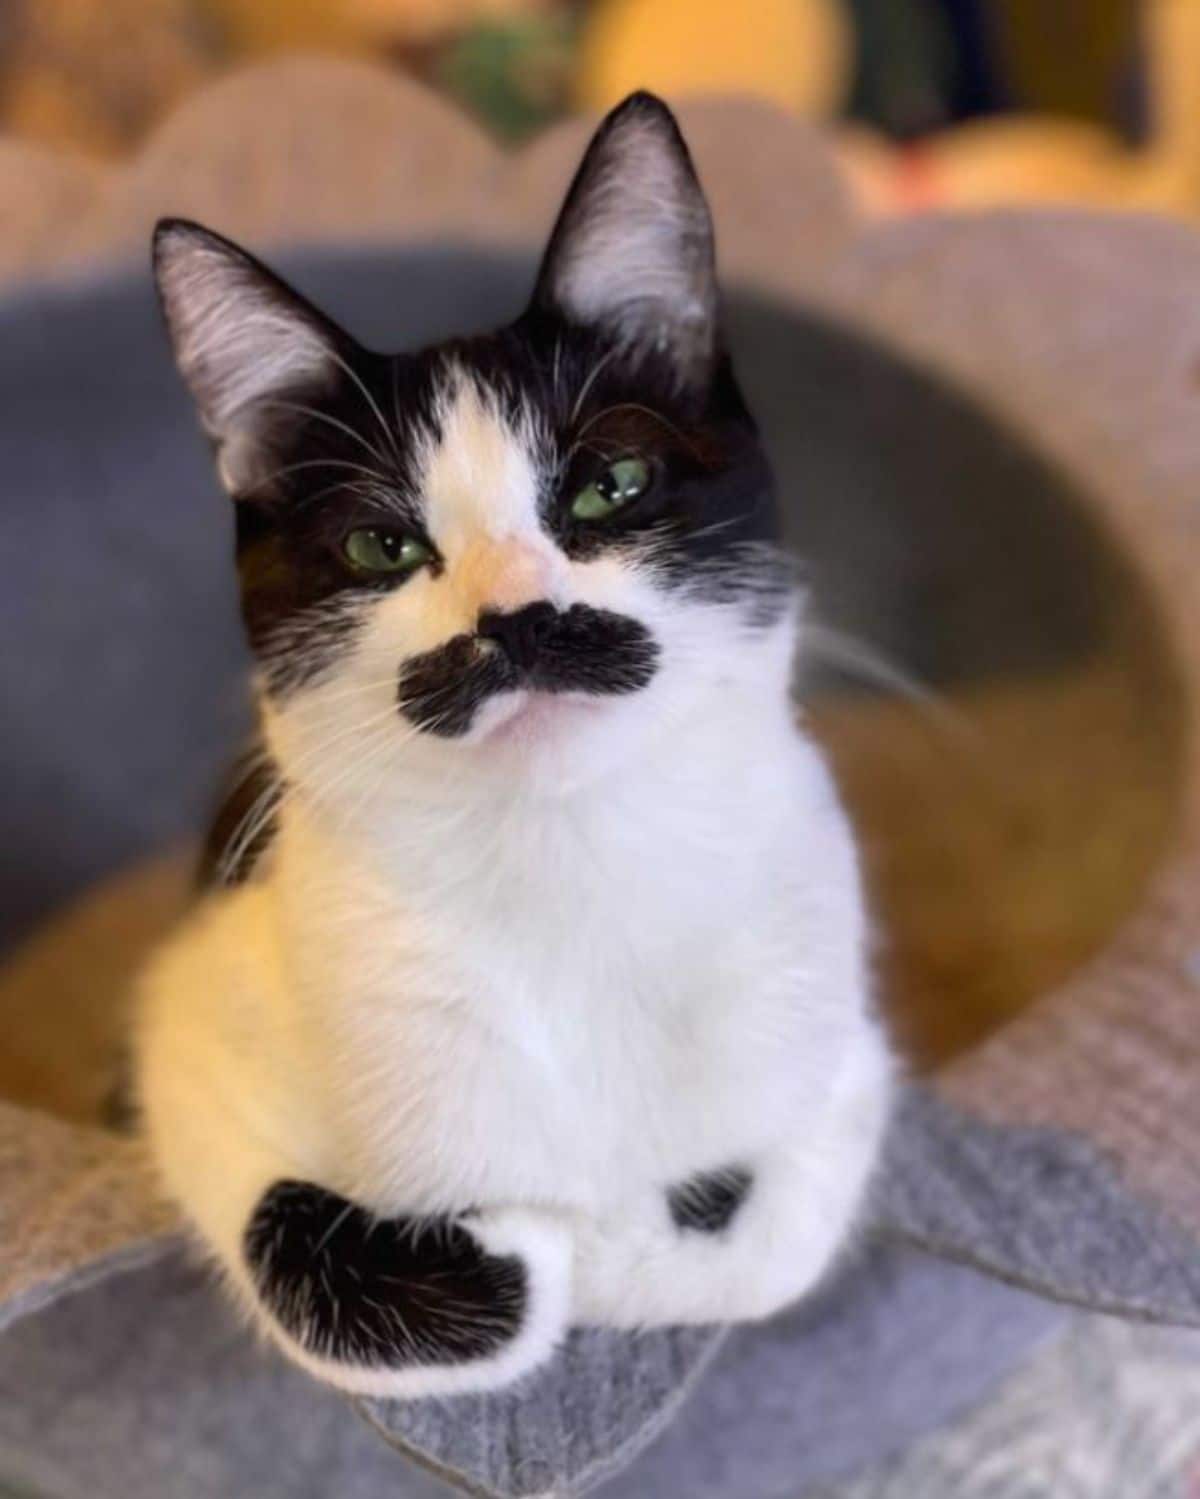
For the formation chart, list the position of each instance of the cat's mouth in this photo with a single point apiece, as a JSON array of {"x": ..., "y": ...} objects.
[
  {"x": 526, "y": 718},
  {"x": 583, "y": 652}
]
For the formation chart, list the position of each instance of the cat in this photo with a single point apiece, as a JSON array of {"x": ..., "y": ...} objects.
[{"x": 531, "y": 986}]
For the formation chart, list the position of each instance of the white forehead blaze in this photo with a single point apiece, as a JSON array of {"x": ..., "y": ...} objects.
[
  {"x": 479, "y": 473},
  {"x": 480, "y": 479}
]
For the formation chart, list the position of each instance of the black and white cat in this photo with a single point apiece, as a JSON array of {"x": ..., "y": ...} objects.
[{"x": 531, "y": 989}]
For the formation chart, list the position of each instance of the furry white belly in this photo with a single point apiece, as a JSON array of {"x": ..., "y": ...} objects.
[
  {"x": 553, "y": 1051},
  {"x": 429, "y": 1077}
]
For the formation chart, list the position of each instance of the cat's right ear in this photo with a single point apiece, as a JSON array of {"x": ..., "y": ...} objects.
[
  {"x": 249, "y": 348},
  {"x": 632, "y": 253}
]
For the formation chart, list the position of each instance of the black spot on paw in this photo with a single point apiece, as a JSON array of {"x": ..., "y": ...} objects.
[
  {"x": 385, "y": 1293},
  {"x": 708, "y": 1201}
]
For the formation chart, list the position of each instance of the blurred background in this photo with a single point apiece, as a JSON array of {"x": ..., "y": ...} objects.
[{"x": 930, "y": 102}]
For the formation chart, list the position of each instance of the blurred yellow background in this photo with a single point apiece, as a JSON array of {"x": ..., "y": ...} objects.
[{"x": 928, "y": 102}]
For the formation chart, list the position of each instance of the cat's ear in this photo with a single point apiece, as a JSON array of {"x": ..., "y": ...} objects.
[
  {"x": 248, "y": 347},
  {"x": 632, "y": 252}
]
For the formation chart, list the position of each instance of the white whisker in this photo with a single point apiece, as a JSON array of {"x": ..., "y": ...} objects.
[
  {"x": 841, "y": 650},
  {"x": 597, "y": 370},
  {"x": 371, "y": 401},
  {"x": 295, "y": 468},
  {"x": 332, "y": 421}
]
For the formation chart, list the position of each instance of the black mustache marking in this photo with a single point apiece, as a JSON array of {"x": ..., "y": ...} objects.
[
  {"x": 581, "y": 650},
  {"x": 441, "y": 691}
]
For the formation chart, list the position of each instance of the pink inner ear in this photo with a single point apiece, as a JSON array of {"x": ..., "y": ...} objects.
[
  {"x": 242, "y": 339},
  {"x": 633, "y": 247}
]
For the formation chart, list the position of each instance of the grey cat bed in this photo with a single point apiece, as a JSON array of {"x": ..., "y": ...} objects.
[{"x": 1003, "y": 504}]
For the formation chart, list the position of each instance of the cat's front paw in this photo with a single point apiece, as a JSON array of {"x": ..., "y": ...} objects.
[{"x": 406, "y": 1306}]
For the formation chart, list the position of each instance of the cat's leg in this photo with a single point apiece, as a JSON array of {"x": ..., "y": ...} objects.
[
  {"x": 400, "y": 1305},
  {"x": 745, "y": 1238},
  {"x": 406, "y": 1306},
  {"x": 388, "y": 1305}
]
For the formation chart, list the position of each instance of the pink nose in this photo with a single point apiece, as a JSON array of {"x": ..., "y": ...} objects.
[{"x": 516, "y": 574}]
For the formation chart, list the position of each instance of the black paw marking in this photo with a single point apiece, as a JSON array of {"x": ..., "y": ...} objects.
[
  {"x": 389, "y": 1294},
  {"x": 708, "y": 1201}
]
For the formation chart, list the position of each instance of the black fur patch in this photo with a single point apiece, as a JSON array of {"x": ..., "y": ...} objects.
[
  {"x": 386, "y": 1294},
  {"x": 579, "y": 650},
  {"x": 707, "y": 1203},
  {"x": 311, "y": 642},
  {"x": 336, "y": 466},
  {"x": 246, "y": 820}
]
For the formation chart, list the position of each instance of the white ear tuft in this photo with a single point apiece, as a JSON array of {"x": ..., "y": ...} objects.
[
  {"x": 633, "y": 247},
  {"x": 243, "y": 341}
]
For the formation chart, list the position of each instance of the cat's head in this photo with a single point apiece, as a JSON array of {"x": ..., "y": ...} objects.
[{"x": 523, "y": 553}]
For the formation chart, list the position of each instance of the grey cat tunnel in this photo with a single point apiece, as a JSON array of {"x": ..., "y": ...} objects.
[{"x": 985, "y": 433}]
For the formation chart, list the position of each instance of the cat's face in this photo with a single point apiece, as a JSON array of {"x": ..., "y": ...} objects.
[{"x": 516, "y": 554}]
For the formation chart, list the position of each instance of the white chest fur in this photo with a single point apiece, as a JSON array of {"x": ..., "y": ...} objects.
[{"x": 563, "y": 1001}]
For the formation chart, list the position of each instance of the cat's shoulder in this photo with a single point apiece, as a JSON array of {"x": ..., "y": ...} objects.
[{"x": 245, "y": 823}]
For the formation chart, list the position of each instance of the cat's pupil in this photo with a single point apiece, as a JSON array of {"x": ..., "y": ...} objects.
[{"x": 390, "y": 544}]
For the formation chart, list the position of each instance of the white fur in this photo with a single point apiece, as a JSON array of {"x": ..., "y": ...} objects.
[{"x": 551, "y": 969}]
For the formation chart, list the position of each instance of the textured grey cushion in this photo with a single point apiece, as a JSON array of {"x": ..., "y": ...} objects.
[
  {"x": 1039, "y": 1207},
  {"x": 145, "y": 1388}
]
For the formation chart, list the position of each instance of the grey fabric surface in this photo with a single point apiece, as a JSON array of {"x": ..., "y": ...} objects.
[
  {"x": 1106, "y": 1410},
  {"x": 145, "y": 1387},
  {"x": 76, "y": 1206},
  {"x": 584, "y": 1416},
  {"x": 899, "y": 1345},
  {"x": 1031, "y": 1206},
  {"x": 1038, "y": 1207}
]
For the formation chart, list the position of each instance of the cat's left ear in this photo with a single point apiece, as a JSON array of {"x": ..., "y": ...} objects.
[
  {"x": 632, "y": 252},
  {"x": 250, "y": 349}
]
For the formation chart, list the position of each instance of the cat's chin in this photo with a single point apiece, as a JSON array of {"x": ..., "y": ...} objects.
[
  {"x": 526, "y": 719},
  {"x": 556, "y": 743}
]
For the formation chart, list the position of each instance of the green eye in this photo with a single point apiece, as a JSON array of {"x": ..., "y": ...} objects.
[
  {"x": 622, "y": 482},
  {"x": 372, "y": 550}
]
